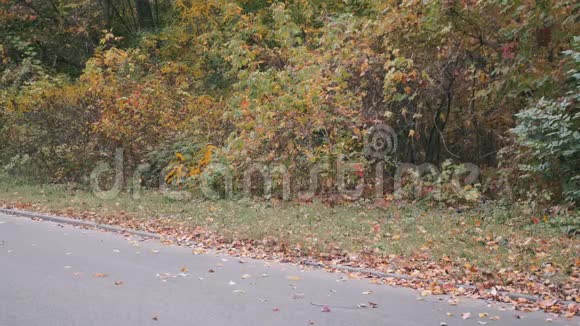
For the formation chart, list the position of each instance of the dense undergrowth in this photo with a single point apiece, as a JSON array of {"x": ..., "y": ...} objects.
[{"x": 295, "y": 84}]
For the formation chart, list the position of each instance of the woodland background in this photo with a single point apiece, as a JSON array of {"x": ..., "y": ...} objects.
[{"x": 184, "y": 83}]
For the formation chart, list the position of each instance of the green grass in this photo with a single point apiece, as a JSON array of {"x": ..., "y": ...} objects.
[{"x": 489, "y": 236}]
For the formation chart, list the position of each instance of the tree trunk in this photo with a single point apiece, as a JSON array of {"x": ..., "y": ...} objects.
[
  {"x": 105, "y": 5},
  {"x": 144, "y": 14}
]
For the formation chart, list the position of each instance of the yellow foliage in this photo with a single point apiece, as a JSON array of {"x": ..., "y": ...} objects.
[
  {"x": 205, "y": 160},
  {"x": 179, "y": 169}
]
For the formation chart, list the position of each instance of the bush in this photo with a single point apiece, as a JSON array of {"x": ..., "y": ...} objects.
[
  {"x": 47, "y": 131},
  {"x": 549, "y": 133},
  {"x": 58, "y": 130}
]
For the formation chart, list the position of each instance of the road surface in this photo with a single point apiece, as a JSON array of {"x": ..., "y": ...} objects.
[{"x": 54, "y": 274}]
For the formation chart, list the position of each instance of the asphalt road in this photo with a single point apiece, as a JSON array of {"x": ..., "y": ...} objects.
[{"x": 55, "y": 274}]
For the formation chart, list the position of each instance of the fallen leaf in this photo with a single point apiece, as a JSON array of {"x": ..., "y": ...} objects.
[
  {"x": 294, "y": 278},
  {"x": 298, "y": 296},
  {"x": 466, "y": 315},
  {"x": 569, "y": 315},
  {"x": 198, "y": 251},
  {"x": 101, "y": 275},
  {"x": 548, "y": 303},
  {"x": 353, "y": 276}
]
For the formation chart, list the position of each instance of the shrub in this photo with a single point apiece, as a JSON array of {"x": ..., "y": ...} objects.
[
  {"x": 548, "y": 132},
  {"x": 47, "y": 131}
]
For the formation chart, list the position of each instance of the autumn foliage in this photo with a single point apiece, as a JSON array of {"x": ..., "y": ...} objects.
[{"x": 295, "y": 83}]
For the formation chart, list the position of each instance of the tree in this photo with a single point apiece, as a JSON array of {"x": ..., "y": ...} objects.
[{"x": 144, "y": 14}]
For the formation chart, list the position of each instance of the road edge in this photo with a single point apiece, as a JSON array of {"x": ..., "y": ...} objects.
[
  {"x": 79, "y": 222},
  {"x": 340, "y": 268}
]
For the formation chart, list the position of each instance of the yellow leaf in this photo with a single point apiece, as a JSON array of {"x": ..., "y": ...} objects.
[{"x": 294, "y": 278}]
